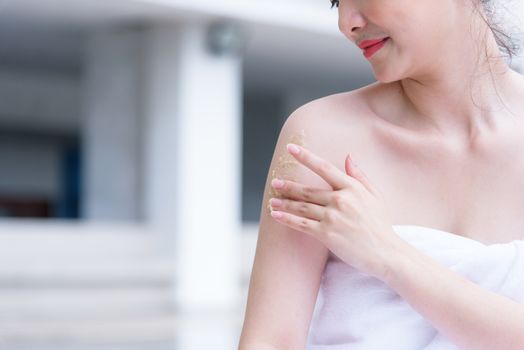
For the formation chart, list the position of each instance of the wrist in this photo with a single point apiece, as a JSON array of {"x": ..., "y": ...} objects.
[
  {"x": 407, "y": 266},
  {"x": 400, "y": 255}
]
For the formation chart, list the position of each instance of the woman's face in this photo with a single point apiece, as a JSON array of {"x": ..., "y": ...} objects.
[{"x": 421, "y": 33}]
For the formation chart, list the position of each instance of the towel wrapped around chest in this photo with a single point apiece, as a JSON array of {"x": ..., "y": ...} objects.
[{"x": 355, "y": 311}]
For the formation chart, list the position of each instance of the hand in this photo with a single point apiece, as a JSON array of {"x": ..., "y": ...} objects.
[{"x": 351, "y": 220}]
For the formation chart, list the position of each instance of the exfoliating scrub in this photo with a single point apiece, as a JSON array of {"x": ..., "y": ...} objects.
[{"x": 285, "y": 164}]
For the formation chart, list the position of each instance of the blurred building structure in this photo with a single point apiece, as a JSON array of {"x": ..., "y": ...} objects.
[{"x": 135, "y": 137}]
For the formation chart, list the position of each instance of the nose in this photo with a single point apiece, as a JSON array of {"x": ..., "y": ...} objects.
[{"x": 350, "y": 22}]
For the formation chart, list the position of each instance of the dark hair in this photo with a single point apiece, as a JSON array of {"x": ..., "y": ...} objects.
[{"x": 505, "y": 41}]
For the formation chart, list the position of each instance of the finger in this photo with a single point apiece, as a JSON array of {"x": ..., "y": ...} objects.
[
  {"x": 303, "y": 209},
  {"x": 297, "y": 191},
  {"x": 330, "y": 173},
  {"x": 311, "y": 227},
  {"x": 354, "y": 171}
]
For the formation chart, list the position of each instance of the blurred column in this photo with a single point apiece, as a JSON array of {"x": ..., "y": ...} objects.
[
  {"x": 193, "y": 155},
  {"x": 110, "y": 124}
]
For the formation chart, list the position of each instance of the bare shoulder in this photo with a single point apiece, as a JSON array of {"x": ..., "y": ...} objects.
[
  {"x": 358, "y": 108},
  {"x": 334, "y": 125},
  {"x": 328, "y": 108},
  {"x": 287, "y": 262}
]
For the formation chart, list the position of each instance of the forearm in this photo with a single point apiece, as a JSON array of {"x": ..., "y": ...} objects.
[
  {"x": 259, "y": 345},
  {"x": 468, "y": 315},
  {"x": 267, "y": 342}
]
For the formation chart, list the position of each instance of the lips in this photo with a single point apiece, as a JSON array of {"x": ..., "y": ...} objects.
[
  {"x": 368, "y": 43},
  {"x": 372, "y": 49}
]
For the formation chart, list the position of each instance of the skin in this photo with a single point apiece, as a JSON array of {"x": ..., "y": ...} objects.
[
  {"x": 286, "y": 164},
  {"x": 440, "y": 139},
  {"x": 351, "y": 222},
  {"x": 350, "y": 219},
  {"x": 427, "y": 129}
]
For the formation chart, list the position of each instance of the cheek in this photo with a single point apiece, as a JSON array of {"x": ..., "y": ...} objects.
[
  {"x": 417, "y": 24},
  {"x": 417, "y": 39},
  {"x": 401, "y": 60}
]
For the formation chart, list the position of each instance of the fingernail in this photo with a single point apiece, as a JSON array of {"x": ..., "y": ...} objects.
[
  {"x": 276, "y": 183},
  {"x": 292, "y": 148},
  {"x": 275, "y": 202},
  {"x": 276, "y": 214},
  {"x": 352, "y": 160}
]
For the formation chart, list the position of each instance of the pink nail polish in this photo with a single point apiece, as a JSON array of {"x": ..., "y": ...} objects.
[
  {"x": 276, "y": 214},
  {"x": 275, "y": 202},
  {"x": 292, "y": 148},
  {"x": 276, "y": 183},
  {"x": 353, "y": 162}
]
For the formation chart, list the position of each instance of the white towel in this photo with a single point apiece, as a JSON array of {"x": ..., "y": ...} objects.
[{"x": 356, "y": 311}]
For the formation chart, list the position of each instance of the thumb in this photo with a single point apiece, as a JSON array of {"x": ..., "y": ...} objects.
[{"x": 354, "y": 171}]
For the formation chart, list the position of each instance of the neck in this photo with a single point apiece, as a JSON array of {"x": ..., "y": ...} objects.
[{"x": 462, "y": 96}]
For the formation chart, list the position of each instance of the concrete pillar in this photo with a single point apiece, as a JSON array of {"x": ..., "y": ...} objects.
[
  {"x": 193, "y": 162},
  {"x": 110, "y": 125}
]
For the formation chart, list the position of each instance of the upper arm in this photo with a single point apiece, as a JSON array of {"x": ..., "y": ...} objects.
[{"x": 288, "y": 264}]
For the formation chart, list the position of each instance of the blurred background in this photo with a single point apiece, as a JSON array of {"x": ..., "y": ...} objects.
[{"x": 135, "y": 138}]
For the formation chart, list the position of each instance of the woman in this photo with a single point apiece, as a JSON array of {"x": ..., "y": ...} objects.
[{"x": 438, "y": 139}]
